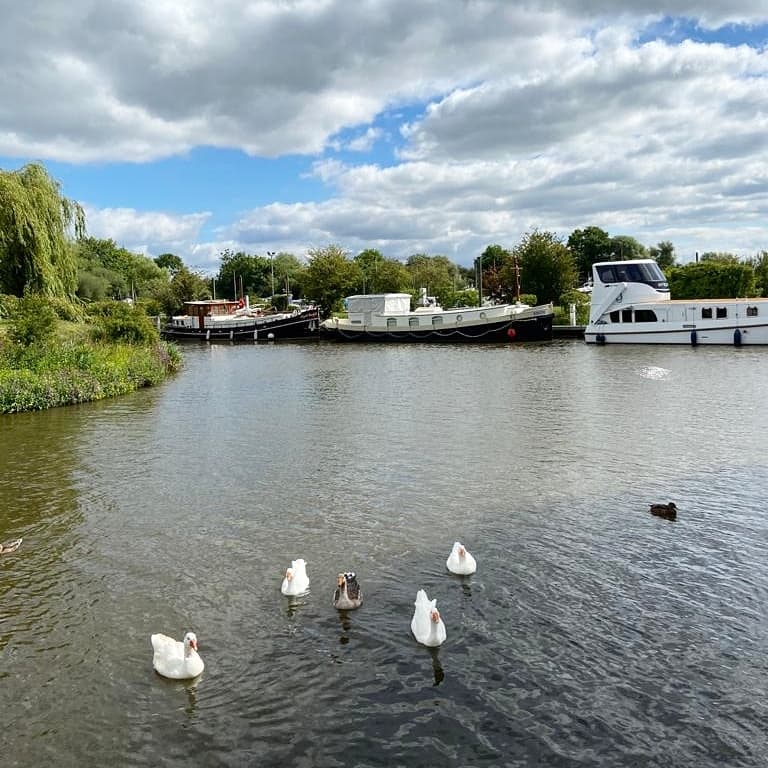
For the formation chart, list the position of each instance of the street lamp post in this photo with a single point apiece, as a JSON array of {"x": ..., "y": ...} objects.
[{"x": 272, "y": 255}]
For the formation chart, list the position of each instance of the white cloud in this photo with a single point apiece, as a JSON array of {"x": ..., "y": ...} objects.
[{"x": 548, "y": 114}]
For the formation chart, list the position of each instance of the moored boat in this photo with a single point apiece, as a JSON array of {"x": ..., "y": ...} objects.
[
  {"x": 631, "y": 304},
  {"x": 388, "y": 317},
  {"x": 222, "y": 319}
]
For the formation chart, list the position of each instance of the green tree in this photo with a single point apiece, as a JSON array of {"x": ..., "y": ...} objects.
[
  {"x": 240, "y": 272},
  {"x": 588, "y": 246},
  {"x": 169, "y": 261},
  {"x": 624, "y": 247},
  {"x": 127, "y": 274},
  {"x": 664, "y": 254},
  {"x": 185, "y": 285},
  {"x": 382, "y": 275},
  {"x": 329, "y": 277},
  {"x": 288, "y": 274},
  {"x": 438, "y": 274},
  {"x": 547, "y": 266},
  {"x": 35, "y": 225}
]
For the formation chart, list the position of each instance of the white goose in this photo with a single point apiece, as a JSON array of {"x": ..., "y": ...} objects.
[
  {"x": 176, "y": 660},
  {"x": 460, "y": 561},
  {"x": 426, "y": 624},
  {"x": 296, "y": 581}
]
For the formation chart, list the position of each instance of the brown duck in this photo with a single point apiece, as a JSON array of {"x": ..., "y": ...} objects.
[{"x": 667, "y": 511}]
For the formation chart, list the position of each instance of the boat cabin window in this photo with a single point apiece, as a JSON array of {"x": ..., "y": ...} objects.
[
  {"x": 437, "y": 321},
  {"x": 751, "y": 311},
  {"x": 722, "y": 312},
  {"x": 413, "y": 322},
  {"x": 459, "y": 318},
  {"x": 706, "y": 313},
  {"x": 640, "y": 316},
  {"x": 649, "y": 273},
  {"x": 391, "y": 322}
]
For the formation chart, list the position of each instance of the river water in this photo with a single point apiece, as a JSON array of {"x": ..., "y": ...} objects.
[{"x": 592, "y": 633}]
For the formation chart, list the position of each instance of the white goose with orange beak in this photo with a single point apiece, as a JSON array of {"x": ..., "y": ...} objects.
[
  {"x": 427, "y": 626},
  {"x": 174, "y": 659},
  {"x": 460, "y": 561},
  {"x": 296, "y": 581}
]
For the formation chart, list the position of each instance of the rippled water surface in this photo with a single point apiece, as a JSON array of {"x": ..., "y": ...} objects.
[{"x": 592, "y": 633}]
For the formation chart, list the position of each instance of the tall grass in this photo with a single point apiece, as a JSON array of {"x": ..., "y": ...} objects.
[{"x": 77, "y": 370}]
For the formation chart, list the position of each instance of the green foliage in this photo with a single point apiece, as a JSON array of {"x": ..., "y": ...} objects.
[
  {"x": 664, "y": 254},
  {"x": 529, "y": 298},
  {"x": 33, "y": 321},
  {"x": 588, "y": 246},
  {"x": 712, "y": 279},
  {"x": 464, "y": 298},
  {"x": 498, "y": 269},
  {"x": 581, "y": 300},
  {"x": 184, "y": 286},
  {"x": 106, "y": 270},
  {"x": 45, "y": 376},
  {"x": 382, "y": 275},
  {"x": 252, "y": 274},
  {"x": 330, "y": 277},
  {"x": 35, "y": 251},
  {"x": 759, "y": 265},
  {"x": 438, "y": 274},
  {"x": 118, "y": 321},
  {"x": 169, "y": 261},
  {"x": 624, "y": 247},
  {"x": 8, "y": 304},
  {"x": 548, "y": 268}
]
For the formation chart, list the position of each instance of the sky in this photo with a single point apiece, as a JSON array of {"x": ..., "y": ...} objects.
[{"x": 409, "y": 126}]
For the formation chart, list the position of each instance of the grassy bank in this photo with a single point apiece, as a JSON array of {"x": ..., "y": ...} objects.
[{"x": 71, "y": 367}]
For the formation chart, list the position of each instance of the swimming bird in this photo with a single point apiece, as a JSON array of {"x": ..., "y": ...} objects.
[
  {"x": 348, "y": 594},
  {"x": 667, "y": 511},
  {"x": 10, "y": 546},
  {"x": 174, "y": 659},
  {"x": 296, "y": 581},
  {"x": 426, "y": 624},
  {"x": 460, "y": 561}
]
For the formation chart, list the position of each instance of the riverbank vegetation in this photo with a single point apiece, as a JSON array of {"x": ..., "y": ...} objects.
[
  {"x": 56, "y": 348},
  {"x": 47, "y": 362}
]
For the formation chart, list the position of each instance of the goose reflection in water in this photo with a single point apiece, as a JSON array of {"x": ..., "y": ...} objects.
[
  {"x": 346, "y": 625},
  {"x": 437, "y": 667}
]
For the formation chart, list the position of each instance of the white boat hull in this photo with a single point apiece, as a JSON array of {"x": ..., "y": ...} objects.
[{"x": 631, "y": 304}]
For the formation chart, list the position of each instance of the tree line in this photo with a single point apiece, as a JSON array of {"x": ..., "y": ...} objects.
[{"x": 44, "y": 249}]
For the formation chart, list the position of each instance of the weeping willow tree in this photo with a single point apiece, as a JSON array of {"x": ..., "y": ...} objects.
[{"x": 36, "y": 223}]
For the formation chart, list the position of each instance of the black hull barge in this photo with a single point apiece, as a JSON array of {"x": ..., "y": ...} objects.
[
  {"x": 223, "y": 320},
  {"x": 387, "y": 317}
]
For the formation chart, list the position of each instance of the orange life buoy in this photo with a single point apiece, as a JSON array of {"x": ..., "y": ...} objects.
[
  {"x": 511, "y": 333},
  {"x": 240, "y": 303}
]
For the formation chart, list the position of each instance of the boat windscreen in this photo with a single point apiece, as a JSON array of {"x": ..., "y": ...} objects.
[{"x": 648, "y": 272}]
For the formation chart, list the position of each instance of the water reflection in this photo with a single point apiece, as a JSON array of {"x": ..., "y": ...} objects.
[
  {"x": 346, "y": 626},
  {"x": 437, "y": 667}
]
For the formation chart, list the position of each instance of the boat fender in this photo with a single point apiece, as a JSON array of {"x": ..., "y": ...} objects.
[
  {"x": 511, "y": 333},
  {"x": 600, "y": 338},
  {"x": 694, "y": 338},
  {"x": 737, "y": 338}
]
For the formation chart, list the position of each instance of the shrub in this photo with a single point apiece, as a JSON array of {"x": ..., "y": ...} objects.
[
  {"x": 122, "y": 322},
  {"x": 33, "y": 320}
]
